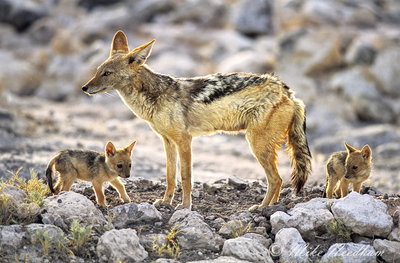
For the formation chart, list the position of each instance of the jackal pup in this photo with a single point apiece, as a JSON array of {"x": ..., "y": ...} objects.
[
  {"x": 179, "y": 109},
  {"x": 351, "y": 166},
  {"x": 93, "y": 167}
]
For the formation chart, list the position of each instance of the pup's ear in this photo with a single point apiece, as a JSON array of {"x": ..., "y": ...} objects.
[
  {"x": 349, "y": 148},
  {"x": 366, "y": 152},
  {"x": 119, "y": 43},
  {"x": 140, "y": 54},
  {"x": 110, "y": 149},
  {"x": 130, "y": 147}
]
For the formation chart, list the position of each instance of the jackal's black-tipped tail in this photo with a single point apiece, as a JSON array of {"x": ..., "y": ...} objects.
[
  {"x": 298, "y": 147},
  {"x": 49, "y": 173}
]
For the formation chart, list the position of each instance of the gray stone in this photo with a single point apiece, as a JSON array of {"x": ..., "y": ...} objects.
[
  {"x": 120, "y": 245},
  {"x": 131, "y": 213},
  {"x": 248, "y": 247},
  {"x": 308, "y": 219},
  {"x": 388, "y": 250},
  {"x": 289, "y": 246},
  {"x": 351, "y": 253},
  {"x": 69, "y": 206},
  {"x": 194, "y": 232},
  {"x": 365, "y": 215},
  {"x": 387, "y": 71},
  {"x": 254, "y": 17},
  {"x": 222, "y": 259}
]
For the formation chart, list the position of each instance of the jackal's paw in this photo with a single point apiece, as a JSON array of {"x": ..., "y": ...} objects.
[
  {"x": 182, "y": 206},
  {"x": 126, "y": 200},
  {"x": 255, "y": 207}
]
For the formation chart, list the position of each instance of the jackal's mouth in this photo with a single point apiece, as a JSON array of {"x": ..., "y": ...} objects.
[{"x": 92, "y": 92}]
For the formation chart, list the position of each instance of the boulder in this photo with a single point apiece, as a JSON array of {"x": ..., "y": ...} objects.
[
  {"x": 365, "y": 215},
  {"x": 386, "y": 70},
  {"x": 120, "y": 245},
  {"x": 388, "y": 250},
  {"x": 62, "y": 209},
  {"x": 251, "y": 247},
  {"x": 289, "y": 246},
  {"x": 194, "y": 232},
  {"x": 254, "y": 17},
  {"x": 350, "y": 253},
  {"x": 131, "y": 213},
  {"x": 309, "y": 219}
]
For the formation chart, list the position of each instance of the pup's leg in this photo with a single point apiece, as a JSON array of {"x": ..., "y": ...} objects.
[
  {"x": 330, "y": 184},
  {"x": 344, "y": 187},
  {"x": 171, "y": 158},
  {"x": 121, "y": 189},
  {"x": 357, "y": 187},
  {"x": 98, "y": 190}
]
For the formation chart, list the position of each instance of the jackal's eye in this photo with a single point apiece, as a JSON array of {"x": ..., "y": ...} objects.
[
  {"x": 355, "y": 167},
  {"x": 106, "y": 73},
  {"x": 130, "y": 165},
  {"x": 119, "y": 165}
]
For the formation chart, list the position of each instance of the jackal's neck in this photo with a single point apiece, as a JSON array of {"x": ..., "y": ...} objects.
[{"x": 145, "y": 92}]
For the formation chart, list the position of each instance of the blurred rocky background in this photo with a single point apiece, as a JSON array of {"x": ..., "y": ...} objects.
[{"x": 342, "y": 58}]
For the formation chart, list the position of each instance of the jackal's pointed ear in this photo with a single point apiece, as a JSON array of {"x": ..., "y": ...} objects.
[
  {"x": 366, "y": 152},
  {"x": 110, "y": 149},
  {"x": 130, "y": 147},
  {"x": 119, "y": 43},
  {"x": 140, "y": 54},
  {"x": 349, "y": 148}
]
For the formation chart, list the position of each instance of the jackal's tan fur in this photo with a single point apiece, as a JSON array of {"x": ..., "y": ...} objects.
[
  {"x": 178, "y": 109},
  {"x": 93, "y": 167},
  {"x": 347, "y": 167}
]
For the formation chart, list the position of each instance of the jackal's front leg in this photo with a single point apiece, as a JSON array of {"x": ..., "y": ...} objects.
[
  {"x": 185, "y": 158},
  {"x": 171, "y": 158}
]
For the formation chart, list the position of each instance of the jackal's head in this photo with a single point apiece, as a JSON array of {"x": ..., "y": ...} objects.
[
  {"x": 358, "y": 163},
  {"x": 119, "y": 160},
  {"x": 120, "y": 68}
]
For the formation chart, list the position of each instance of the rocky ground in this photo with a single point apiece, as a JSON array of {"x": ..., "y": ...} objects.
[{"x": 341, "y": 57}]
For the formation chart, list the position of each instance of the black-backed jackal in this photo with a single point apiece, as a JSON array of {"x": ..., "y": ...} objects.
[
  {"x": 178, "y": 109},
  {"x": 347, "y": 167},
  {"x": 93, "y": 167}
]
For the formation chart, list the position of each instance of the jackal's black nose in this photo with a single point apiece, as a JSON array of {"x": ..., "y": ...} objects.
[
  {"x": 85, "y": 88},
  {"x": 127, "y": 175},
  {"x": 346, "y": 176}
]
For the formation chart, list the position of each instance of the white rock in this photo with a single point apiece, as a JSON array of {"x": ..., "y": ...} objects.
[
  {"x": 17, "y": 195},
  {"x": 132, "y": 213},
  {"x": 69, "y": 206},
  {"x": 195, "y": 233},
  {"x": 248, "y": 248},
  {"x": 365, "y": 215},
  {"x": 289, "y": 246},
  {"x": 388, "y": 250},
  {"x": 120, "y": 245},
  {"x": 309, "y": 218},
  {"x": 395, "y": 234},
  {"x": 387, "y": 70},
  {"x": 351, "y": 253}
]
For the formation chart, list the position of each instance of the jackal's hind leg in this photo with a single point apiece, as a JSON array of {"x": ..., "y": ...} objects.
[
  {"x": 266, "y": 154},
  {"x": 171, "y": 158}
]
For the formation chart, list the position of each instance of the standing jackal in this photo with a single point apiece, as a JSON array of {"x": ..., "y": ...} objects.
[
  {"x": 347, "y": 167},
  {"x": 178, "y": 109},
  {"x": 93, "y": 167}
]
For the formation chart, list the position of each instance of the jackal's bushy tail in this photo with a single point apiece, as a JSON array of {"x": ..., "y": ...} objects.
[
  {"x": 49, "y": 173},
  {"x": 298, "y": 147}
]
